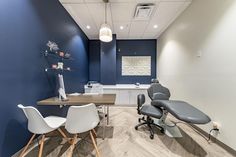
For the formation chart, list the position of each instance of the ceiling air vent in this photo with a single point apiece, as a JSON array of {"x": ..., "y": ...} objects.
[{"x": 143, "y": 11}]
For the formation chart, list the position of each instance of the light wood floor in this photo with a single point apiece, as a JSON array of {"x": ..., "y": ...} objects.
[{"x": 124, "y": 141}]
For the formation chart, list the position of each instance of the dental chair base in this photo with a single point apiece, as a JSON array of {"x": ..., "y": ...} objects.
[
  {"x": 179, "y": 109},
  {"x": 169, "y": 128},
  {"x": 150, "y": 123}
]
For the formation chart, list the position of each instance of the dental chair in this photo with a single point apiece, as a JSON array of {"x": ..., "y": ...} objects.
[{"x": 181, "y": 110}]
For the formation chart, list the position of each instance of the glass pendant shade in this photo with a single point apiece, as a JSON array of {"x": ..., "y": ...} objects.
[{"x": 105, "y": 33}]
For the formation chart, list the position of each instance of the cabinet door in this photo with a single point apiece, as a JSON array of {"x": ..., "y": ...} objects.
[
  {"x": 123, "y": 97},
  {"x": 133, "y": 96}
]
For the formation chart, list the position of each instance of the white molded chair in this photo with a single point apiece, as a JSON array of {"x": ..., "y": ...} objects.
[
  {"x": 82, "y": 119},
  {"x": 39, "y": 125}
]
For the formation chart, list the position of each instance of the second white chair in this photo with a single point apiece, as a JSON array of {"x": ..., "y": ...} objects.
[{"x": 82, "y": 119}]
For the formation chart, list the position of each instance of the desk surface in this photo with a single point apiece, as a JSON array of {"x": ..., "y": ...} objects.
[{"x": 100, "y": 99}]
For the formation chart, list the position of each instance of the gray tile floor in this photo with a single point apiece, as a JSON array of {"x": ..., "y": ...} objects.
[{"x": 124, "y": 141}]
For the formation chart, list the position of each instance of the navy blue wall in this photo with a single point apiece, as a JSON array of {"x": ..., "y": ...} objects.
[
  {"x": 108, "y": 62},
  {"x": 135, "y": 48},
  {"x": 124, "y": 48},
  {"x": 94, "y": 60},
  {"x": 25, "y": 28}
]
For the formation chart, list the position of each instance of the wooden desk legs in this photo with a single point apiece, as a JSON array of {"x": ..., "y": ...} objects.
[
  {"x": 107, "y": 115},
  {"x": 105, "y": 119}
]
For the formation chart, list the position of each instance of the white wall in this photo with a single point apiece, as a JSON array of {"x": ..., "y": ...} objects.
[{"x": 207, "y": 27}]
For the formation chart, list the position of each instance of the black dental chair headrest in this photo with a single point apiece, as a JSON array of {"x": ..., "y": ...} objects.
[{"x": 158, "y": 92}]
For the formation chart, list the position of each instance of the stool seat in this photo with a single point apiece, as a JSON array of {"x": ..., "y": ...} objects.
[{"x": 151, "y": 111}]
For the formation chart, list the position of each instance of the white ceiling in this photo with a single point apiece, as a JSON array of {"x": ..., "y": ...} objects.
[{"x": 121, "y": 13}]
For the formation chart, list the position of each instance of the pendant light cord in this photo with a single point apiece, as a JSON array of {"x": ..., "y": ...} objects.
[{"x": 105, "y": 13}]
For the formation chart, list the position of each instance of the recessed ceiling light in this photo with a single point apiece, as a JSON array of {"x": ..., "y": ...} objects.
[
  {"x": 121, "y": 27},
  {"x": 88, "y": 27},
  {"x": 155, "y": 26}
]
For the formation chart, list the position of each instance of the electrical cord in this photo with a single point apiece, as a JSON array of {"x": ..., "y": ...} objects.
[{"x": 209, "y": 135}]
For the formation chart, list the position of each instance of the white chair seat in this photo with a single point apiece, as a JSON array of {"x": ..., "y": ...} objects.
[{"x": 54, "y": 121}]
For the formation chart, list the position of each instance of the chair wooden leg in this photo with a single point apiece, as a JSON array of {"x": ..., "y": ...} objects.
[
  {"x": 94, "y": 144},
  {"x": 41, "y": 147},
  {"x": 94, "y": 133},
  {"x": 62, "y": 133},
  {"x": 26, "y": 147},
  {"x": 72, "y": 146},
  {"x": 69, "y": 140}
]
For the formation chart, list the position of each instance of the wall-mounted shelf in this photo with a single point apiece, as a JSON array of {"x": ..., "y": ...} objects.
[{"x": 66, "y": 56}]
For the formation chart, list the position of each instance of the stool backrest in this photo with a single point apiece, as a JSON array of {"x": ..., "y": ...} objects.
[
  {"x": 81, "y": 118},
  {"x": 140, "y": 102}
]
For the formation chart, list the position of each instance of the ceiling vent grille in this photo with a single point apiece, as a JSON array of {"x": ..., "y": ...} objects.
[{"x": 143, "y": 11}]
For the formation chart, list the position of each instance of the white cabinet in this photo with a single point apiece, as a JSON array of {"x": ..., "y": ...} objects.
[
  {"x": 126, "y": 94},
  {"x": 123, "y": 97},
  {"x": 133, "y": 96}
]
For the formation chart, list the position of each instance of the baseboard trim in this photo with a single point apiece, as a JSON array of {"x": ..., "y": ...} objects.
[{"x": 215, "y": 140}]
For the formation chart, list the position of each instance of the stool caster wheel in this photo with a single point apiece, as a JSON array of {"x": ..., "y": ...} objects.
[
  {"x": 139, "y": 120},
  {"x": 162, "y": 131},
  {"x": 152, "y": 137},
  {"x": 136, "y": 128}
]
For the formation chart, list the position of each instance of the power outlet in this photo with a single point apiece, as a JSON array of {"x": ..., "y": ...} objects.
[
  {"x": 215, "y": 129},
  {"x": 216, "y": 125}
]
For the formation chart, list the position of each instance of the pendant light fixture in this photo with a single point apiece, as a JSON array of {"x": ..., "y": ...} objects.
[{"x": 105, "y": 33}]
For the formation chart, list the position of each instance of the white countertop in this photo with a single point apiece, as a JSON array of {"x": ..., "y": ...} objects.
[{"x": 124, "y": 86}]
